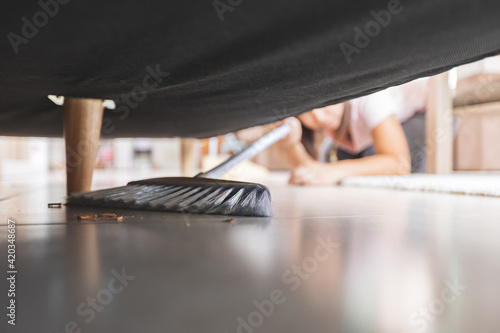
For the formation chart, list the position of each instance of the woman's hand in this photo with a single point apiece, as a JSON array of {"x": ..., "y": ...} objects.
[
  {"x": 317, "y": 173},
  {"x": 291, "y": 148},
  {"x": 295, "y": 136}
]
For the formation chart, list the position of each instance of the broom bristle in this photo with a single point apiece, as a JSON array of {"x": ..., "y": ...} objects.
[{"x": 183, "y": 195}]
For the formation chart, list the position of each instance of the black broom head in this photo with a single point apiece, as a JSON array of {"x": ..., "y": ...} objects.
[{"x": 183, "y": 195}]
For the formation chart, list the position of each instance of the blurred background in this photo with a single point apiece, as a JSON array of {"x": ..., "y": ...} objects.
[{"x": 476, "y": 141}]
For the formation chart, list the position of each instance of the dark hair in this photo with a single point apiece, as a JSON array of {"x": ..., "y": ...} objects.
[{"x": 343, "y": 131}]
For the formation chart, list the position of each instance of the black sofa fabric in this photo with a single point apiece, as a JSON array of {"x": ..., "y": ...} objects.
[{"x": 202, "y": 68}]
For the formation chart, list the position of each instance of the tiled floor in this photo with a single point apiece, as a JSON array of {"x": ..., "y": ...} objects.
[{"x": 331, "y": 260}]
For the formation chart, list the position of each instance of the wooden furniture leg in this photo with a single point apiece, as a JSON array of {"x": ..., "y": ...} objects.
[
  {"x": 82, "y": 127},
  {"x": 190, "y": 157},
  {"x": 439, "y": 126}
]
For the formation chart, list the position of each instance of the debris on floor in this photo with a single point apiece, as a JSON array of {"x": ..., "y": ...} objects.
[
  {"x": 104, "y": 216},
  {"x": 108, "y": 216},
  {"x": 87, "y": 217},
  {"x": 55, "y": 205}
]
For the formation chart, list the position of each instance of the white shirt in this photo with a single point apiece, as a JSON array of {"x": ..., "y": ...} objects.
[{"x": 368, "y": 112}]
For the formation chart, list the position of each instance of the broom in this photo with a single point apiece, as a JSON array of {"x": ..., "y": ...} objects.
[{"x": 199, "y": 195}]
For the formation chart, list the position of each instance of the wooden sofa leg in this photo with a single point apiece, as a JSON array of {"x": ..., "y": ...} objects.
[
  {"x": 82, "y": 127},
  {"x": 439, "y": 126},
  {"x": 190, "y": 157}
]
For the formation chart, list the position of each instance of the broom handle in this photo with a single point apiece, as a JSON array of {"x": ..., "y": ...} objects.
[{"x": 249, "y": 152}]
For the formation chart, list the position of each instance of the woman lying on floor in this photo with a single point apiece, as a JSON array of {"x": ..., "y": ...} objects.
[{"x": 371, "y": 136}]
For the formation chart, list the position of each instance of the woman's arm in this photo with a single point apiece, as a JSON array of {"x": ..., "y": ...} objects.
[
  {"x": 392, "y": 158},
  {"x": 291, "y": 149}
]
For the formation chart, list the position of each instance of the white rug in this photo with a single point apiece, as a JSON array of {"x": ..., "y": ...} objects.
[{"x": 458, "y": 183}]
